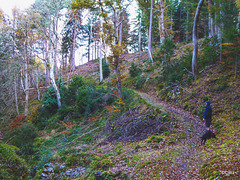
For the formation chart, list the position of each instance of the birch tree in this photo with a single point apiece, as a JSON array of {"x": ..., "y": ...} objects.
[
  {"x": 150, "y": 33},
  {"x": 195, "y": 41},
  {"x": 140, "y": 34},
  {"x": 50, "y": 12}
]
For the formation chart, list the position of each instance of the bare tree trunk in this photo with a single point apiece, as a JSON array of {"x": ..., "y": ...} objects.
[
  {"x": 161, "y": 22},
  {"x": 52, "y": 64},
  {"x": 150, "y": 34},
  {"x": 21, "y": 80},
  {"x": 117, "y": 58},
  {"x": 187, "y": 24},
  {"x": 236, "y": 64},
  {"x": 195, "y": 42},
  {"x": 120, "y": 34},
  {"x": 210, "y": 19},
  {"x": 140, "y": 35},
  {"x": 95, "y": 49},
  {"x": 100, "y": 49},
  {"x": 52, "y": 77},
  {"x": 55, "y": 29},
  {"x": 77, "y": 21},
  {"x": 46, "y": 56},
  {"x": 119, "y": 85},
  {"x": 37, "y": 86},
  {"x": 16, "y": 96},
  {"x": 89, "y": 42},
  {"x": 73, "y": 66},
  {"x": 26, "y": 91}
]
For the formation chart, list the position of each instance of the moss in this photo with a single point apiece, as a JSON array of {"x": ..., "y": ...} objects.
[
  {"x": 72, "y": 160},
  {"x": 11, "y": 165},
  {"x": 102, "y": 164}
]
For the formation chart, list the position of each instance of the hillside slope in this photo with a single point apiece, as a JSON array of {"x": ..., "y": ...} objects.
[{"x": 183, "y": 158}]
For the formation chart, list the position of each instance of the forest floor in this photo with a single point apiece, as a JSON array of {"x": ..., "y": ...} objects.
[
  {"x": 178, "y": 154},
  {"x": 179, "y": 159}
]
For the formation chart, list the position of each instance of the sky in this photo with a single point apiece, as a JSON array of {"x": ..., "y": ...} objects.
[{"x": 8, "y": 5}]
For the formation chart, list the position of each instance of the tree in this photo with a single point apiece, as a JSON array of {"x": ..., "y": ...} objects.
[
  {"x": 195, "y": 41},
  {"x": 77, "y": 24},
  {"x": 50, "y": 12},
  {"x": 150, "y": 34}
]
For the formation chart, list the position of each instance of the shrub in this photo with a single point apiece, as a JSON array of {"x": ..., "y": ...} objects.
[
  {"x": 106, "y": 69},
  {"x": 82, "y": 99},
  {"x": 11, "y": 165},
  {"x": 209, "y": 47},
  {"x": 72, "y": 160},
  {"x": 24, "y": 138},
  {"x": 90, "y": 99},
  {"x": 49, "y": 103},
  {"x": 160, "y": 86},
  {"x": 167, "y": 49},
  {"x": 134, "y": 70},
  {"x": 140, "y": 82},
  {"x": 70, "y": 95}
]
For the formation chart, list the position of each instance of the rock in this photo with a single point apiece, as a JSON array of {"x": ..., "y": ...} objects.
[{"x": 44, "y": 175}]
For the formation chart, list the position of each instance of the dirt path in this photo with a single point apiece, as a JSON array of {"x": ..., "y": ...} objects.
[{"x": 188, "y": 158}]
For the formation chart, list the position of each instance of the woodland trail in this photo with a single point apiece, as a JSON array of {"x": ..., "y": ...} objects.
[{"x": 188, "y": 159}]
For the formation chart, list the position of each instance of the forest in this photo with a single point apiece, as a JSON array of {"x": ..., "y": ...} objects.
[{"x": 116, "y": 89}]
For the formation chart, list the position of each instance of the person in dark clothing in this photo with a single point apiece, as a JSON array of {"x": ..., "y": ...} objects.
[{"x": 207, "y": 115}]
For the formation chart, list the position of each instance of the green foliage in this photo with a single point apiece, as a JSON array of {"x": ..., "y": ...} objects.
[
  {"x": 140, "y": 82},
  {"x": 82, "y": 99},
  {"x": 49, "y": 103},
  {"x": 174, "y": 72},
  {"x": 11, "y": 165},
  {"x": 24, "y": 138},
  {"x": 167, "y": 50},
  {"x": 106, "y": 69},
  {"x": 72, "y": 160},
  {"x": 92, "y": 99},
  {"x": 134, "y": 70},
  {"x": 160, "y": 86},
  {"x": 165, "y": 116},
  {"x": 209, "y": 52},
  {"x": 101, "y": 163},
  {"x": 71, "y": 94}
]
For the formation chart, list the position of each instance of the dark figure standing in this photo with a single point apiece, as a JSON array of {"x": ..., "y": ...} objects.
[{"x": 207, "y": 115}]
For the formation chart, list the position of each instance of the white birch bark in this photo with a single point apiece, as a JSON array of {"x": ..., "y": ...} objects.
[
  {"x": 161, "y": 22},
  {"x": 26, "y": 91},
  {"x": 16, "y": 96},
  {"x": 37, "y": 86},
  {"x": 195, "y": 41},
  {"x": 52, "y": 78},
  {"x": 140, "y": 35},
  {"x": 150, "y": 34},
  {"x": 210, "y": 19},
  {"x": 100, "y": 49}
]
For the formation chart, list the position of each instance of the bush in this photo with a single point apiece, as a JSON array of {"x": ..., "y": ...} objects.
[
  {"x": 134, "y": 70},
  {"x": 70, "y": 95},
  {"x": 90, "y": 100},
  {"x": 167, "y": 49},
  {"x": 49, "y": 102},
  {"x": 106, "y": 69},
  {"x": 140, "y": 82},
  {"x": 209, "y": 47},
  {"x": 24, "y": 138},
  {"x": 72, "y": 160},
  {"x": 82, "y": 99},
  {"x": 11, "y": 165},
  {"x": 160, "y": 86}
]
